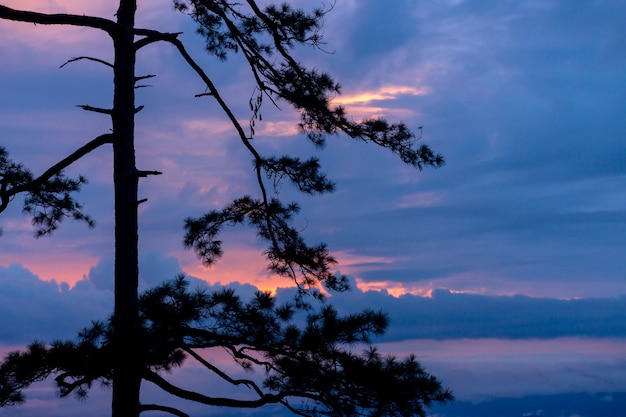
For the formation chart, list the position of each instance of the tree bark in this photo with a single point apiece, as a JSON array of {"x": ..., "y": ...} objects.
[{"x": 126, "y": 371}]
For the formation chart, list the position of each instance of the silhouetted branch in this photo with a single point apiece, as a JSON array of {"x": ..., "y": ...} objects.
[
  {"x": 143, "y": 174},
  {"x": 143, "y": 77},
  {"x": 102, "y": 61},
  {"x": 106, "y": 25},
  {"x": 95, "y": 109},
  {"x": 249, "y": 383},
  {"x": 222, "y": 401},
  {"x": 21, "y": 369},
  {"x": 165, "y": 409},
  {"x": 152, "y": 36},
  {"x": 242, "y": 135},
  {"x": 48, "y": 197},
  {"x": 56, "y": 168},
  {"x": 76, "y": 385}
]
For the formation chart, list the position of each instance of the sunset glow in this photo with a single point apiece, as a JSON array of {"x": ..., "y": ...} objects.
[{"x": 503, "y": 271}]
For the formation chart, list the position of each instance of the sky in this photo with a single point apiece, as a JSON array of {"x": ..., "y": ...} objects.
[{"x": 503, "y": 271}]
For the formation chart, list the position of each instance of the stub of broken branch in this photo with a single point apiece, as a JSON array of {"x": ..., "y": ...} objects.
[
  {"x": 143, "y": 174},
  {"x": 95, "y": 109},
  {"x": 143, "y": 77}
]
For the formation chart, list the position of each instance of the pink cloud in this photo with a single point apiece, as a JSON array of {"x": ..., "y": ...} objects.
[
  {"x": 359, "y": 105},
  {"x": 388, "y": 92},
  {"x": 59, "y": 264},
  {"x": 56, "y": 41}
]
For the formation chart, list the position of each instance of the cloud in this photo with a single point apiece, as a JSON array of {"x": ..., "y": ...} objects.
[
  {"x": 530, "y": 124},
  {"x": 36, "y": 309},
  {"x": 45, "y": 308},
  {"x": 389, "y": 92},
  {"x": 591, "y": 359},
  {"x": 154, "y": 268},
  {"x": 449, "y": 315},
  {"x": 33, "y": 308},
  {"x": 359, "y": 104}
]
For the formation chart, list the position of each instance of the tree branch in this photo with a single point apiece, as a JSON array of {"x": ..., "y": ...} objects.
[
  {"x": 95, "y": 109},
  {"x": 102, "y": 61},
  {"x": 106, "y": 25},
  {"x": 143, "y": 174},
  {"x": 151, "y": 36},
  {"x": 222, "y": 374},
  {"x": 143, "y": 77},
  {"x": 165, "y": 409},
  {"x": 242, "y": 135},
  {"x": 59, "y": 166},
  {"x": 219, "y": 401}
]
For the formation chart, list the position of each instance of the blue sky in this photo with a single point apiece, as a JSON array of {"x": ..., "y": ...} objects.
[{"x": 504, "y": 271}]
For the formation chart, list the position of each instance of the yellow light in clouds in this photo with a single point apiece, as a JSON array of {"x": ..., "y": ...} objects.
[
  {"x": 395, "y": 289},
  {"x": 389, "y": 92}
]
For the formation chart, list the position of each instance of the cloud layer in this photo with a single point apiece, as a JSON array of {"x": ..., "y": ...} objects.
[{"x": 47, "y": 309}]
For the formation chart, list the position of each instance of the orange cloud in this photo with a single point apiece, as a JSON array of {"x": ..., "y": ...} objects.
[
  {"x": 245, "y": 265},
  {"x": 60, "y": 265},
  {"x": 395, "y": 289},
  {"x": 359, "y": 104},
  {"x": 274, "y": 129},
  {"x": 389, "y": 92}
]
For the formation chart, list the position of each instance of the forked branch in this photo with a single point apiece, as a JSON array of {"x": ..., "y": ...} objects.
[
  {"x": 221, "y": 401},
  {"x": 222, "y": 374}
]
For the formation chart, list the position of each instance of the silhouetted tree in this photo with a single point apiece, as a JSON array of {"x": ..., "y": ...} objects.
[
  {"x": 134, "y": 345},
  {"x": 306, "y": 356}
]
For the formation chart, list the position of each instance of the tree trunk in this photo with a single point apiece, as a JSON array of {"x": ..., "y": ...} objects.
[{"x": 126, "y": 370}]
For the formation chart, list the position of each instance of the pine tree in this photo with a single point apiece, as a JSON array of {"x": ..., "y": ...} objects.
[{"x": 157, "y": 331}]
